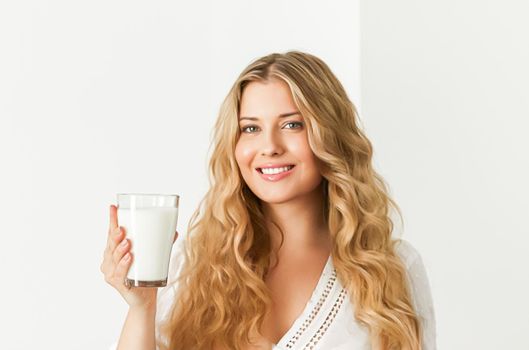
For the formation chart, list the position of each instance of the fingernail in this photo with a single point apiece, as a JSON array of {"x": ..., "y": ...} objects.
[{"x": 124, "y": 243}]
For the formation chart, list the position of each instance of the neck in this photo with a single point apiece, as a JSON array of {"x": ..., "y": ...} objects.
[{"x": 302, "y": 222}]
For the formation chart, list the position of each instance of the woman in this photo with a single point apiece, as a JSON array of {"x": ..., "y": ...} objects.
[{"x": 291, "y": 247}]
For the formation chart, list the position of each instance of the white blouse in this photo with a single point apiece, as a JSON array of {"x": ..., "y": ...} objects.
[{"x": 327, "y": 322}]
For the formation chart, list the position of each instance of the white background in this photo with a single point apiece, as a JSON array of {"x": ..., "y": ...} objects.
[
  {"x": 103, "y": 97},
  {"x": 445, "y": 96}
]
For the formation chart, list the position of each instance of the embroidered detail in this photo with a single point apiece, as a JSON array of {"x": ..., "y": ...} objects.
[
  {"x": 330, "y": 317},
  {"x": 314, "y": 312}
]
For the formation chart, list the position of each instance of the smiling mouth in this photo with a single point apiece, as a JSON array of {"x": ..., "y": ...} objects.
[{"x": 273, "y": 171}]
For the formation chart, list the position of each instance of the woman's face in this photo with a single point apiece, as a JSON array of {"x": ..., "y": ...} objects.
[{"x": 273, "y": 136}]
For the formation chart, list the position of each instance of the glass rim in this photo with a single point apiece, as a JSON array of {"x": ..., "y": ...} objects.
[{"x": 148, "y": 194}]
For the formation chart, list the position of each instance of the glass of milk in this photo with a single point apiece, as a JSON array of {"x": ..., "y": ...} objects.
[{"x": 149, "y": 221}]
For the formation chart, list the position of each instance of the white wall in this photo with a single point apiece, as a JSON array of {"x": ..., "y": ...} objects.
[
  {"x": 103, "y": 97},
  {"x": 445, "y": 100}
]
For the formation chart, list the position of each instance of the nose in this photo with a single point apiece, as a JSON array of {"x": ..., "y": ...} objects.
[{"x": 271, "y": 145}]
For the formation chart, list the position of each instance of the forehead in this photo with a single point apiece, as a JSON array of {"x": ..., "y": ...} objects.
[{"x": 266, "y": 99}]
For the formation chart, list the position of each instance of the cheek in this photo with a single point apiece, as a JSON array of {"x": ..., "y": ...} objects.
[
  {"x": 305, "y": 155},
  {"x": 303, "y": 152},
  {"x": 243, "y": 155}
]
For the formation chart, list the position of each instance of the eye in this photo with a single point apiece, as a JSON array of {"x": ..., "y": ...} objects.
[
  {"x": 300, "y": 124},
  {"x": 244, "y": 128}
]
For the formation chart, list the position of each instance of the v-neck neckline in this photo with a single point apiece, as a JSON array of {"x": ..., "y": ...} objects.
[{"x": 309, "y": 306}]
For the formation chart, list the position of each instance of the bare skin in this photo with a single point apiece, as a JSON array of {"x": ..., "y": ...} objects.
[
  {"x": 274, "y": 134},
  {"x": 291, "y": 284},
  {"x": 138, "y": 331},
  {"x": 300, "y": 261},
  {"x": 296, "y": 269}
]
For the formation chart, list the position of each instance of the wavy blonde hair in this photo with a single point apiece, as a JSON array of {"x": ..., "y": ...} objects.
[{"x": 221, "y": 297}]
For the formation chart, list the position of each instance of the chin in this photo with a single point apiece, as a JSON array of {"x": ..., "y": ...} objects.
[
  {"x": 271, "y": 197},
  {"x": 274, "y": 200}
]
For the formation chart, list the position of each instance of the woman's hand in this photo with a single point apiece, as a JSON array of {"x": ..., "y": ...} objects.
[{"x": 116, "y": 263}]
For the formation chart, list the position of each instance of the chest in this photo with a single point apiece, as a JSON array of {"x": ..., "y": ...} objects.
[{"x": 291, "y": 287}]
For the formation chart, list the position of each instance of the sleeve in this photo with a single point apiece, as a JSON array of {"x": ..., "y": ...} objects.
[
  {"x": 421, "y": 294},
  {"x": 166, "y": 295}
]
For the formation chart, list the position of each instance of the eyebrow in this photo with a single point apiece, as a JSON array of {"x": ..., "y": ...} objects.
[{"x": 283, "y": 115}]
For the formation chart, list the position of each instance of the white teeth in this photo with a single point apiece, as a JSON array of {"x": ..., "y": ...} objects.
[{"x": 270, "y": 171}]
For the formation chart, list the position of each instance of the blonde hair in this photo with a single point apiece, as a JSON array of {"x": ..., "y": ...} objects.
[{"x": 221, "y": 298}]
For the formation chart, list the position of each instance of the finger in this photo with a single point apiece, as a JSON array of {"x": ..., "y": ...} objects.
[
  {"x": 113, "y": 223},
  {"x": 122, "y": 268},
  {"x": 113, "y": 239},
  {"x": 103, "y": 266},
  {"x": 120, "y": 251}
]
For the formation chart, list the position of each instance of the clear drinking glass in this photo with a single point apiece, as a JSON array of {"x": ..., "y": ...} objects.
[{"x": 149, "y": 221}]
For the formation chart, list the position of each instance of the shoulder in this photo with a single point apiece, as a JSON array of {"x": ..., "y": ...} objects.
[
  {"x": 421, "y": 293},
  {"x": 417, "y": 276},
  {"x": 415, "y": 268},
  {"x": 177, "y": 259},
  {"x": 166, "y": 295},
  {"x": 407, "y": 252}
]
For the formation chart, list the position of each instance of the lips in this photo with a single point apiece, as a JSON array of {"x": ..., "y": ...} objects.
[
  {"x": 289, "y": 166},
  {"x": 276, "y": 177}
]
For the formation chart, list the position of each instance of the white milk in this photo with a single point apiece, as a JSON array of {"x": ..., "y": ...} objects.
[{"x": 151, "y": 232}]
